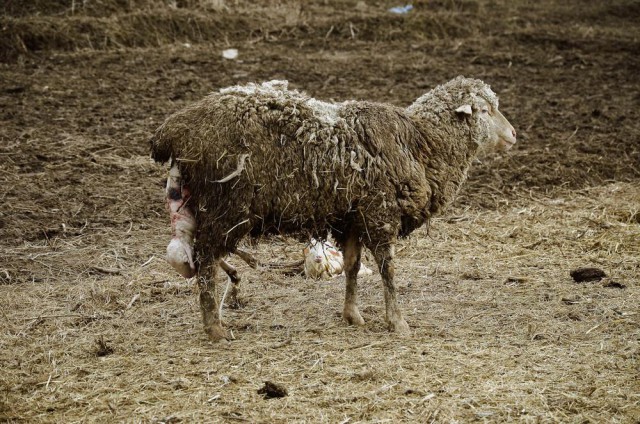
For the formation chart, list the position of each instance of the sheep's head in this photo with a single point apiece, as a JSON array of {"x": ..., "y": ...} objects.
[
  {"x": 500, "y": 135},
  {"x": 472, "y": 101},
  {"x": 481, "y": 105}
]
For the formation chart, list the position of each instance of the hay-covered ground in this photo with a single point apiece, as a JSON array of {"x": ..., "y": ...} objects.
[{"x": 96, "y": 327}]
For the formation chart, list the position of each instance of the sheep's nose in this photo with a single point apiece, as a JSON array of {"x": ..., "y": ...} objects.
[{"x": 513, "y": 132}]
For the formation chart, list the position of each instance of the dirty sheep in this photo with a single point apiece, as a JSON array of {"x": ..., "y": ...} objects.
[{"x": 261, "y": 158}]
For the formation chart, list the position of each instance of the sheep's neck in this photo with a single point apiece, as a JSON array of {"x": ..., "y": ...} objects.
[{"x": 446, "y": 165}]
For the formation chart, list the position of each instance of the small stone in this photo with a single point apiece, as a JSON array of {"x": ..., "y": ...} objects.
[{"x": 230, "y": 54}]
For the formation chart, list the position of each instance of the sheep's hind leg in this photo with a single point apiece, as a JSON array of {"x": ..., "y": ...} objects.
[
  {"x": 384, "y": 258},
  {"x": 248, "y": 258},
  {"x": 209, "y": 303},
  {"x": 231, "y": 271},
  {"x": 352, "y": 250}
]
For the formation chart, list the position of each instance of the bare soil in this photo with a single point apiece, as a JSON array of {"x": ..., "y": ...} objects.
[{"x": 96, "y": 326}]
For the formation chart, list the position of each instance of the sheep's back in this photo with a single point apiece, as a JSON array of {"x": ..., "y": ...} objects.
[{"x": 302, "y": 171}]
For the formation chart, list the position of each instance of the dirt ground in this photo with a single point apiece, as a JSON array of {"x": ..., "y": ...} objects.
[{"x": 96, "y": 327}]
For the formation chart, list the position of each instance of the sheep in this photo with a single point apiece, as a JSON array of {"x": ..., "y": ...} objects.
[
  {"x": 323, "y": 260},
  {"x": 261, "y": 158}
]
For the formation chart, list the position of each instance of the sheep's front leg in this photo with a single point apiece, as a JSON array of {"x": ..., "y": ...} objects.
[
  {"x": 384, "y": 258},
  {"x": 352, "y": 251},
  {"x": 209, "y": 303}
]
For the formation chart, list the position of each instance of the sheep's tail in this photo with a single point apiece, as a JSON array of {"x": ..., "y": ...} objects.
[{"x": 161, "y": 147}]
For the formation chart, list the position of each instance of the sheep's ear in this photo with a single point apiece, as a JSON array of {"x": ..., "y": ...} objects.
[{"x": 466, "y": 109}]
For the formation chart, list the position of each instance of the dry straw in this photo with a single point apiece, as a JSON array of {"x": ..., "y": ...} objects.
[
  {"x": 499, "y": 329},
  {"x": 500, "y": 332}
]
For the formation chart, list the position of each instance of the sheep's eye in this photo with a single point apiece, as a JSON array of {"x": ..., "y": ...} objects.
[{"x": 485, "y": 110}]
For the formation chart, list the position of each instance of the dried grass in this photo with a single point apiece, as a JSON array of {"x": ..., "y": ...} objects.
[
  {"x": 485, "y": 293},
  {"x": 501, "y": 333}
]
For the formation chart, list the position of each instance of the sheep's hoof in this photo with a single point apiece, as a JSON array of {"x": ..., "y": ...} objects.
[
  {"x": 352, "y": 316},
  {"x": 235, "y": 302},
  {"x": 216, "y": 333},
  {"x": 400, "y": 327}
]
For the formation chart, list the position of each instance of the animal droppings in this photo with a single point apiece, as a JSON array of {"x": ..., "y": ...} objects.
[
  {"x": 584, "y": 275},
  {"x": 103, "y": 348},
  {"x": 613, "y": 284},
  {"x": 272, "y": 390}
]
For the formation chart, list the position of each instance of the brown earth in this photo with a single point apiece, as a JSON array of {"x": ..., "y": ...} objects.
[{"x": 96, "y": 327}]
